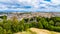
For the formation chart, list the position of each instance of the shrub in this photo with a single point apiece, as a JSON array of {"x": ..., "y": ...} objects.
[
  {"x": 34, "y": 24},
  {"x": 44, "y": 23},
  {"x": 26, "y": 27},
  {"x": 1, "y": 30},
  {"x": 7, "y": 31},
  {"x": 7, "y": 26},
  {"x": 3, "y": 17},
  {"x": 51, "y": 22},
  {"x": 39, "y": 25},
  {"x": 57, "y": 24},
  {"x": 54, "y": 28}
]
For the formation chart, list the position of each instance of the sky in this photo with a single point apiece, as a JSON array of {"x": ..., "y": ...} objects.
[{"x": 30, "y": 5}]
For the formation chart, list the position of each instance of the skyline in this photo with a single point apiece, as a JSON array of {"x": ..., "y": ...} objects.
[{"x": 30, "y": 5}]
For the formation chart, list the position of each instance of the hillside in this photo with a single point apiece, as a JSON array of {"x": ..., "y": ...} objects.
[{"x": 38, "y": 31}]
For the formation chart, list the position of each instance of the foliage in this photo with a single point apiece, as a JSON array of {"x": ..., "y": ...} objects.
[
  {"x": 14, "y": 25},
  {"x": 26, "y": 26},
  {"x": 51, "y": 22},
  {"x": 3, "y": 17},
  {"x": 1, "y": 30},
  {"x": 39, "y": 25}
]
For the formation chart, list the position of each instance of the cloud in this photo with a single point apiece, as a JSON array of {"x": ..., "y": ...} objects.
[
  {"x": 30, "y": 5},
  {"x": 55, "y": 1}
]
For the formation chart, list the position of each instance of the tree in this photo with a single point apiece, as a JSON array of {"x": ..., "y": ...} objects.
[
  {"x": 14, "y": 20},
  {"x": 26, "y": 20},
  {"x": 57, "y": 24},
  {"x": 21, "y": 23},
  {"x": 57, "y": 19},
  {"x": 33, "y": 24},
  {"x": 1, "y": 24},
  {"x": 26, "y": 26},
  {"x": 4, "y": 19},
  {"x": 44, "y": 22},
  {"x": 1, "y": 30},
  {"x": 9, "y": 32},
  {"x": 51, "y": 22},
  {"x": 5, "y": 32},
  {"x": 38, "y": 19},
  {"x": 7, "y": 26},
  {"x": 39, "y": 25},
  {"x": 19, "y": 26}
]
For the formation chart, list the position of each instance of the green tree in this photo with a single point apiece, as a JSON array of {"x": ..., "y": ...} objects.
[
  {"x": 1, "y": 24},
  {"x": 21, "y": 23},
  {"x": 5, "y": 32},
  {"x": 39, "y": 25},
  {"x": 21, "y": 28},
  {"x": 9, "y": 32},
  {"x": 33, "y": 24},
  {"x": 57, "y": 24},
  {"x": 26, "y": 27},
  {"x": 4, "y": 19},
  {"x": 1, "y": 30},
  {"x": 7, "y": 26},
  {"x": 14, "y": 20},
  {"x": 38, "y": 19},
  {"x": 14, "y": 28},
  {"x": 51, "y": 22},
  {"x": 44, "y": 22},
  {"x": 57, "y": 18}
]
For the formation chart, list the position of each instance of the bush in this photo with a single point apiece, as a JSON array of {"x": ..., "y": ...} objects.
[
  {"x": 57, "y": 19},
  {"x": 1, "y": 30},
  {"x": 39, "y": 25},
  {"x": 34, "y": 24},
  {"x": 5, "y": 32},
  {"x": 26, "y": 27},
  {"x": 16, "y": 28},
  {"x": 7, "y": 26},
  {"x": 51, "y": 22},
  {"x": 9, "y": 32},
  {"x": 3, "y": 17},
  {"x": 57, "y": 24},
  {"x": 54, "y": 28},
  {"x": 1, "y": 24},
  {"x": 11, "y": 26}
]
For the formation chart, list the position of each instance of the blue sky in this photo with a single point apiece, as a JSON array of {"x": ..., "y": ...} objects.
[{"x": 30, "y": 5}]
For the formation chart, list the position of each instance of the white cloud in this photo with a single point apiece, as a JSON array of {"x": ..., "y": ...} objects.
[
  {"x": 35, "y": 5},
  {"x": 55, "y": 1}
]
